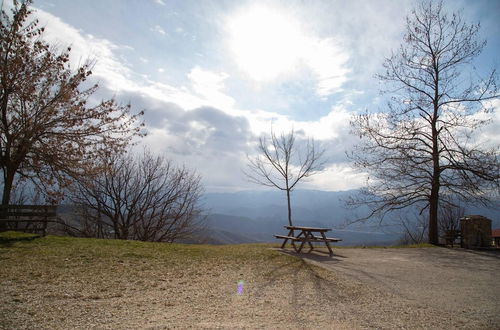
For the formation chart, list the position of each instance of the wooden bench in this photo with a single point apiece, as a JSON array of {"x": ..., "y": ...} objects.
[{"x": 31, "y": 215}]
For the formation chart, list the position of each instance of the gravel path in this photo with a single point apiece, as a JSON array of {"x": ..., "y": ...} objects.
[{"x": 462, "y": 284}]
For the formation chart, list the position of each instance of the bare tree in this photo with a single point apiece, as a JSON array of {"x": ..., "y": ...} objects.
[
  {"x": 424, "y": 147},
  {"x": 282, "y": 164},
  {"x": 144, "y": 198},
  {"x": 449, "y": 221},
  {"x": 49, "y": 133},
  {"x": 415, "y": 229}
]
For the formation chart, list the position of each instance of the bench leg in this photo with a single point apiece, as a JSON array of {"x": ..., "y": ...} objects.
[{"x": 44, "y": 230}]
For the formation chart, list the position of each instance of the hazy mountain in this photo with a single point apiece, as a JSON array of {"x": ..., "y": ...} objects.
[
  {"x": 254, "y": 216},
  {"x": 257, "y": 215},
  {"x": 307, "y": 205}
]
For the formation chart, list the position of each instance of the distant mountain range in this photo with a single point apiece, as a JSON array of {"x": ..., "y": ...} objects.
[{"x": 254, "y": 216}]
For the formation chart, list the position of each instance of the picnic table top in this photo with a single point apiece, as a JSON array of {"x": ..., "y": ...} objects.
[{"x": 308, "y": 228}]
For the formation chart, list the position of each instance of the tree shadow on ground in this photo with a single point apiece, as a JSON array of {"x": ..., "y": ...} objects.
[
  {"x": 316, "y": 254},
  {"x": 304, "y": 283},
  {"x": 490, "y": 253}
]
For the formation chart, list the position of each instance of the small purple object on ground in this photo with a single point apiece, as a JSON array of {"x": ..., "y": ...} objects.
[{"x": 240, "y": 287}]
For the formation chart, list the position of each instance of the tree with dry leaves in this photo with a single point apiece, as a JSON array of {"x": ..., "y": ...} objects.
[
  {"x": 50, "y": 131},
  {"x": 425, "y": 147},
  {"x": 282, "y": 163}
]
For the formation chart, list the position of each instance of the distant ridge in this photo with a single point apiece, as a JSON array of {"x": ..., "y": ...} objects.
[{"x": 254, "y": 216}]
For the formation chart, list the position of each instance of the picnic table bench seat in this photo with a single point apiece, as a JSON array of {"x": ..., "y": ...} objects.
[
  {"x": 330, "y": 239},
  {"x": 312, "y": 239},
  {"x": 285, "y": 237}
]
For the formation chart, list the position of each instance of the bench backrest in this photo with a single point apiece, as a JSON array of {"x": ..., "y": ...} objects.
[{"x": 22, "y": 212}]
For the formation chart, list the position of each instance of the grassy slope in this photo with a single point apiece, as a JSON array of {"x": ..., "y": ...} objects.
[{"x": 61, "y": 282}]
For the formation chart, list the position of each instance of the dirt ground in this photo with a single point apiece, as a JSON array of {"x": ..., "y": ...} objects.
[{"x": 458, "y": 282}]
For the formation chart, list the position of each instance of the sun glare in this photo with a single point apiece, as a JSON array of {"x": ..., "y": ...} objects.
[{"x": 265, "y": 42}]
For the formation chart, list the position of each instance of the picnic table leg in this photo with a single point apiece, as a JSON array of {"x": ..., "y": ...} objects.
[
  {"x": 284, "y": 242},
  {"x": 310, "y": 244},
  {"x": 303, "y": 242},
  {"x": 327, "y": 244},
  {"x": 293, "y": 243}
]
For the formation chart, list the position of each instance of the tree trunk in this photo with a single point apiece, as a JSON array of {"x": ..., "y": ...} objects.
[
  {"x": 7, "y": 188},
  {"x": 433, "y": 215},
  {"x": 289, "y": 207},
  {"x": 435, "y": 183}
]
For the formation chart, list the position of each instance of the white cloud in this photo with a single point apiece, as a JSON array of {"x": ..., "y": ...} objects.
[
  {"x": 161, "y": 70},
  {"x": 160, "y": 2},
  {"x": 158, "y": 29},
  {"x": 487, "y": 136},
  {"x": 210, "y": 85},
  {"x": 86, "y": 47},
  {"x": 329, "y": 63},
  {"x": 336, "y": 177},
  {"x": 328, "y": 127}
]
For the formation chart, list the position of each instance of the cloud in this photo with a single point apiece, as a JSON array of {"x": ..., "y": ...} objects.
[
  {"x": 117, "y": 77},
  {"x": 158, "y": 29},
  {"x": 329, "y": 63},
  {"x": 160, "y": 2},
  {"x": 216, "y": 143},
  {"x": 207, "y": 140},
  {"x": 86, "y": 47},
  {"x": 204, "y": 131},
  {"x": 336, "y": 177},
  {"x": 210, "y": 85}
]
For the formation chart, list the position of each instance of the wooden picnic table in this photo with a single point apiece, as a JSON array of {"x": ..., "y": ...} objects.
[{"x": 306, "y": 235}]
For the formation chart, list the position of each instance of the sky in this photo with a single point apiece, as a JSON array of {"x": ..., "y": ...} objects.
[{"x": 214, "y": 76}]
